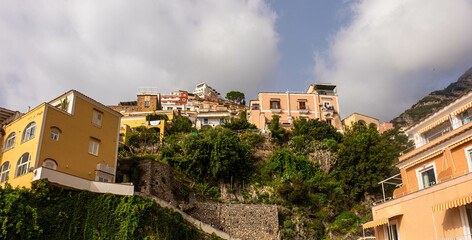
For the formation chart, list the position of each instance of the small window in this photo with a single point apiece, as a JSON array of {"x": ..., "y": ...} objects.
[
  {"x": 146, "y": 103},
  {"x": 97, "y": 118},
  {"x": 302, "y": 105},
  {"x": 426, "y": 176},
  {"x": 328, "y": 121},
  {"x": 205, "y": 121},
  {"x": 23, "y": 165},
  {"x": 93, "y": 148},
  {"x": 49, "y": 163},
  {"x": 29, "y": 132},
  {"x": 9, "y": 142},
  {"x": 101, "y": 179},
  {"x": 255, "y": 107},
  {"x": 4, "y": 171},
  {"x": 274, "y": 104},
  {"x": 55, "y": 134}
]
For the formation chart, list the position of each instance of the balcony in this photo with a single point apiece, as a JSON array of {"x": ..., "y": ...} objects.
[
  {"x": 303, "y": 110},
  {"x": 276, "y": 110}
]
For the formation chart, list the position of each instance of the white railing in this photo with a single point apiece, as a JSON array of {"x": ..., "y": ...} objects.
[{"x": 105, "y": 169}]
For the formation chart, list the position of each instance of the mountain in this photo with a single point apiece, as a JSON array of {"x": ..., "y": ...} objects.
[{"x": 434, "y": 101}]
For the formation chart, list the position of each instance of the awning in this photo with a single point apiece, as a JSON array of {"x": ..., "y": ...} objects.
[
  {"x": 425, "y": 158},
  {"x": 434, "y": 124},
  {"x": 462, "y": 109},
  {"x": 375, "y": 223},
  {"x": 452, "y": 204},
  {"x": 460, "y": 142}
]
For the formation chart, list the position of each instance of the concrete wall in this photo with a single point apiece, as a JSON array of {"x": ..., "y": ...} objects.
[{"x": 245, "y": 221}]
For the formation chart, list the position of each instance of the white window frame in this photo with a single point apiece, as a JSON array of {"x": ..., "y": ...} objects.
[
  {"x": 97, "y": 118},
  {"x": 54, "y": 134},
  {"x": 4, "y": 172},
  {"x": 24, "y": 166},
  {"x": 30, "y": 132},
  {"x": 93, "y": 147},
  {"x": 469, "y": 159},
  {"x": 390, "y": 224},
  {"x": 422, "y": 169},
  {"x": 10, "y": 142}
]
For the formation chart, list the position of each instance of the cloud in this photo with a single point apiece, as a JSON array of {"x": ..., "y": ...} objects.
[
  {"x": 106, "y": 49},
  {"x": 392, "y": 53}
]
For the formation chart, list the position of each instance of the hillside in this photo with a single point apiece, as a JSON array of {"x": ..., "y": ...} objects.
[{"x": 434, "y": 101}]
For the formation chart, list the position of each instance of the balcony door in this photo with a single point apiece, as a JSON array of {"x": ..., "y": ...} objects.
[{"x": 391, "y": 232}]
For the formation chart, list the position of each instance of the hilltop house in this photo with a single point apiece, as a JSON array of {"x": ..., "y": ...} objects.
[
  {"x": 319, "y": 101},
  {"x": 433, "y": 195},
  {"x": 72, "y": 141}
]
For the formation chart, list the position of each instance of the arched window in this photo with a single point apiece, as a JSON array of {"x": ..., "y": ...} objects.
[
  {"x": 23, "y": 165},
  {"x": 10, "y": 142},
  {"x": 55, "y": 134},
  {"x": 49, "y": 163},
  {"x": 29, "y": 132},
  {"x": 4, "y": 171}
]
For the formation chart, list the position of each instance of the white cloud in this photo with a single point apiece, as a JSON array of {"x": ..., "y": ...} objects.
[
  {"x": 393, "y": 53},
  {"x": 107, "y": 49}
]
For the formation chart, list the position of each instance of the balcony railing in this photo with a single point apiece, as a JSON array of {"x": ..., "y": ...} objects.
[{"x": 438, "y": 134}]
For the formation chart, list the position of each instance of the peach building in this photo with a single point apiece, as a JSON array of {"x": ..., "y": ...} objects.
[
  {"x": 433, "y": 195},
  {"x": 319, "y": 101}
]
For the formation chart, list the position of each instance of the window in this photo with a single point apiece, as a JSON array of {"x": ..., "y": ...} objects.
[
  {"x": 426, "y": 176},
  {"x": 275, "y": 104},
  {"x": 23, "y": 165},
  {"x": 328, "y": 121},
  {"x": 93, "y": 148},
  {"x": 29, "y": 132},
  {"x": 97, "y": 118},
  {"x": 101, "y": 179},
  {"x": 255, "y": 107},
  {"x": 205, "y": 121},
  {"x": 10, "y": 142},
  {"x": 146, "y": 103},
  {"x": 302, "y": 105},
  {"x": 49, "y": 163},
  {"x": 4, "y": 171},
  {"x": 54, "y": 135},
  {"x": 391, "y": 232}
]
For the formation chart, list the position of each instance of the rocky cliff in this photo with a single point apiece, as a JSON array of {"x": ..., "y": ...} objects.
[{"x": 434, "y": 101}]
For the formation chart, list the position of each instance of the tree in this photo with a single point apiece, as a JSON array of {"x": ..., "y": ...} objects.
[
  {"x": 366, "y": 158},
  {"x": 278, "y": 133},
  {"x": 236, "y": 97},
  {"x": 314, "y": 129},
  {"x": 212, "y": 155},
  {"x": 239, "y": 124},
  {"x": 142, "y": 137},
  {"x": 182, "y": 125}
]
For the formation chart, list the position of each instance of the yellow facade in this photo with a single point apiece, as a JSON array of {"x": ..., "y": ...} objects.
[
  {"x": 359, "y": 118},
  {"x": 62, "y": 139},
  {"x": 132, "y": 120}
]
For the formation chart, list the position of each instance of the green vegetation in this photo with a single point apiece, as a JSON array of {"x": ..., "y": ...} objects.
[
  {"x": 182, "y": 125},
  {"x": 236, "y": 97},
  {"x": 142, "y": 137},
  {"x": 48, "y": 212},
  {"x": 212, "y": 155},
  {"x": 239, "y": 124},
  {"x": 279, "y": 134}
]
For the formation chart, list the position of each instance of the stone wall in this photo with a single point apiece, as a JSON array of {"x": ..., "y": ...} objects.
[
  {"x": 156, "y": 180},
  {"x": 244, "y": 221}
]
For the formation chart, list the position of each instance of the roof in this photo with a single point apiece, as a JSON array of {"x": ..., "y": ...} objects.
[
  {"x": 89, "y": 99},
  {"x": 5, "y": 114},
  {"x": 361, "y": 115}
]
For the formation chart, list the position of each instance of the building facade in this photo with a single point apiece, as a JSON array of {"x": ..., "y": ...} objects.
[
  {"x": 433, "y": 198},
  {"x": 205, "y": 92},
  {"x": 360, "y": 118},
  {"x": 70, "y": 140},
  {"x": 320, "y": 101}
]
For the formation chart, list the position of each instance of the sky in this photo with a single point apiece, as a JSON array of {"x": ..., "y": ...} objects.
[{"x": 383, "y": 55}]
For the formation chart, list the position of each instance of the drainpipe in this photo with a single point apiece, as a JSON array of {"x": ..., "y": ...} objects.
[{"x": 289, "y": 116}]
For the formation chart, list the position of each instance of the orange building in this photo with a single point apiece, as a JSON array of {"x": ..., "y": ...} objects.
[
  {"x": 319, "y": 101},
  {"x": 433, "y": 198}
]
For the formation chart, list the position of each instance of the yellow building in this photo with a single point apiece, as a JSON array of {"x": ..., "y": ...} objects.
[
  {"x": 360, "y": 118},
  {"x": 71, "y": 140}
]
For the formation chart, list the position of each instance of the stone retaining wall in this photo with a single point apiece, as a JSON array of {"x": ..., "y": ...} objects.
[{"x": 245, "y": 221}]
